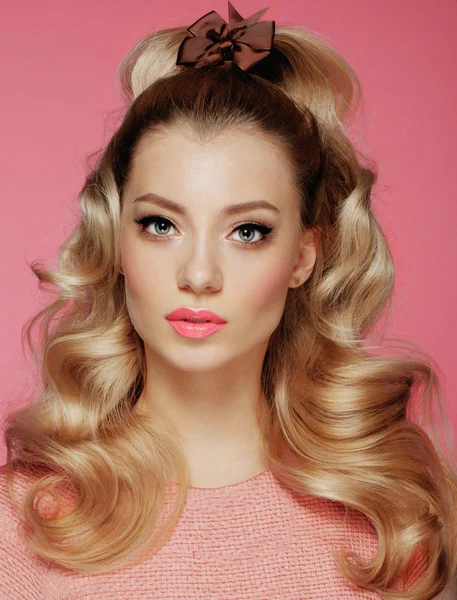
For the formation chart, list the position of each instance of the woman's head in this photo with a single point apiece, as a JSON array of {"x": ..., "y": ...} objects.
[
  {"x": 206, "y": 139},
  {"x": 204, "y": 257}
]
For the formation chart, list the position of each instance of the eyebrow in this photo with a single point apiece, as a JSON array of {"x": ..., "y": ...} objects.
[{"x": 229, "y": 210}]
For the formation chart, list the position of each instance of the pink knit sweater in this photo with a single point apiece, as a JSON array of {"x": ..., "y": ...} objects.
[{"x": 254, "y": 540}]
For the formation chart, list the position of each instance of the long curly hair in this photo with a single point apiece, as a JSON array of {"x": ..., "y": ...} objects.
[{"x": 350, "y": 419}]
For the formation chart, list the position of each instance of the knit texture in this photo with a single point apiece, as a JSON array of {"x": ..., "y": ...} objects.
[{"x": 254, "y": 540}]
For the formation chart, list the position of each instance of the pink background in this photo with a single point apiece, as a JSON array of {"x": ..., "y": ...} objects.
[{"x": 58, "y": 62}]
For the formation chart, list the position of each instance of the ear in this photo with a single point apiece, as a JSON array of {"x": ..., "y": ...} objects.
[{"x": 306, "y": 257}]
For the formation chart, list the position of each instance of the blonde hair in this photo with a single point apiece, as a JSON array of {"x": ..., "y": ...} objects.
[{"x": 343, "y": 423}]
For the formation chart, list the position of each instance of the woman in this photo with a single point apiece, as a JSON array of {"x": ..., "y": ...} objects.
[{"x": 207, "y": 357}]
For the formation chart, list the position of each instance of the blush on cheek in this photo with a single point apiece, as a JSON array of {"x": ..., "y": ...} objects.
[{"x": 270, "y": 288}]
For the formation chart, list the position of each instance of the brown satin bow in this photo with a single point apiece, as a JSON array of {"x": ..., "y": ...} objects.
[{"x": 244, "y": 41}]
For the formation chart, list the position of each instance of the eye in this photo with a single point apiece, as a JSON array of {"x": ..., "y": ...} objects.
[
  {"x": 145, "y": 222},
  {"x": 161, "y": 226},
  {"x": 265, "y": 230}
]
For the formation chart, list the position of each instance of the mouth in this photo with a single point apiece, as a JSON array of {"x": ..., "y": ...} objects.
[
  {"x": 195, "y": 320},
  {"x": 195, "y": 329},
  {"x": 191, "y": 315}
]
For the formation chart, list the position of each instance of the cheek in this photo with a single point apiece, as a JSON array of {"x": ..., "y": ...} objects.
[
  {"x": 145, "y": 288},
  {"x": 270, "y": 288},
  {"x": 142, "y": 274},
  {"x": 134, "y": 273},
  {"x": 146, "y": 285}
]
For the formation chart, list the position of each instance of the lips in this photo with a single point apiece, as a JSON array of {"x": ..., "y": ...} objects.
[{"x": 195, "y": 316}]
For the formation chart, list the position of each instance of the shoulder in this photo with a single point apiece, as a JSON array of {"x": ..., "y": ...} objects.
[
  {"x": 9, "y": 516},
  {"x": 343, "y": 524},
  {"x": 46, "y": 504},
  {"x": 360, "y": 529},
  {"x": 12, "y": 530},
  {"x": 22, "y": 573},
  {"x": 359, "y": 537}
]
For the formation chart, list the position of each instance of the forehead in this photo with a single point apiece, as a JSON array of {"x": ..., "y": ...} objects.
[{"x": 234, "y": 165}]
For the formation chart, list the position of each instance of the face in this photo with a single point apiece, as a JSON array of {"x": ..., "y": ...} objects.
[{"x": 239, "y": 265}]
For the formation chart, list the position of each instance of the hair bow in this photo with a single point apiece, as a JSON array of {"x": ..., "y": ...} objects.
[{"x": 245, "y": 41}]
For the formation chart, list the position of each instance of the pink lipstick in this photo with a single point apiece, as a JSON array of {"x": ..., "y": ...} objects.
[{"x": 195, "y": 323}]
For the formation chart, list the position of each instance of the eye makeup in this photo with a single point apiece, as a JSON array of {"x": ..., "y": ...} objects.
[{"x": 147, "y": 220}]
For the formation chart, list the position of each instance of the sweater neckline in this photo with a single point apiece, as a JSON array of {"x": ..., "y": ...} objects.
[{"x": 240, "y": 484}]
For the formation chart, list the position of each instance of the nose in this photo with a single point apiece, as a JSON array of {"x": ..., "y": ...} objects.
[{"x": 200, "y": 271}]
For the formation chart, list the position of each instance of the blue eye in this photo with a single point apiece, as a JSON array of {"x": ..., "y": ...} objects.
[{"x": 161, "y": 232}]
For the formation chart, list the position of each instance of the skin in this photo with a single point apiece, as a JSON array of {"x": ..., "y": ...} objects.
[{"x": 208, "y": 391}]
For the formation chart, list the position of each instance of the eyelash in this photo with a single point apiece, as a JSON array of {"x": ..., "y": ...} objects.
[{"x": 263, "y": 228}]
